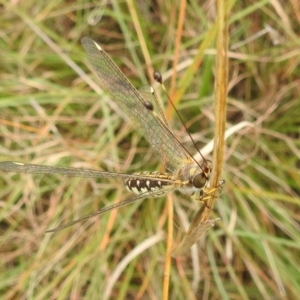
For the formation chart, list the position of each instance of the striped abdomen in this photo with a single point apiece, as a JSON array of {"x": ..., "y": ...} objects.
[{"x": 153, "y": 184}]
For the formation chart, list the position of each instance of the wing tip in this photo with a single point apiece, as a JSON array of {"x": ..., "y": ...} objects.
[{"x": 87, "y": 41}]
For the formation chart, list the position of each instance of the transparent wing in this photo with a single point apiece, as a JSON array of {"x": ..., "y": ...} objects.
[
  {"x": 170, "y": 151},
  {"x": 127, "y": 201},
  {"x": 18, "y": 167}
]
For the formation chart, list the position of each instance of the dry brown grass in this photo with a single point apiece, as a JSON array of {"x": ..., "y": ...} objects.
[{"x": 50, "y": 114}]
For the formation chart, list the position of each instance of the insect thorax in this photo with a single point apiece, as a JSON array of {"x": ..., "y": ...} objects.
[
  {"x": 193, "y": 178},
  {"x": 147, "y": 183}
]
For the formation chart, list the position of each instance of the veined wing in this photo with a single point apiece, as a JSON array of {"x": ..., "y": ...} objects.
[
  {"x": 18, "y": 167},
  {"x": 127, "y": 201},
  {"x": 133, "y": 183},
  {"x": 162, "y": 140}
]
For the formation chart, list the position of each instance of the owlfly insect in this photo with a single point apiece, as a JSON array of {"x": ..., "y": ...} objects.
[{"x": 184, "y": 172}]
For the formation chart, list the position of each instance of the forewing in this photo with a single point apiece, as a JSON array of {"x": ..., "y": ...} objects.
[
  {"x": 18, "y": 167},
  {"x": 170, "y": 151}
]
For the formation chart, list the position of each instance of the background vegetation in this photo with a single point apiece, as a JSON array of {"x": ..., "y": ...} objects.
[{"x": 50, "y": 114}]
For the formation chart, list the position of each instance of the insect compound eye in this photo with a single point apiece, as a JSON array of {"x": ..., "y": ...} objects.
[{"x": 199, "y": 181}]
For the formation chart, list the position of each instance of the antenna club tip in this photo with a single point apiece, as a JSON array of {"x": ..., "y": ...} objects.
[{"x": 157, "y": 76}]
